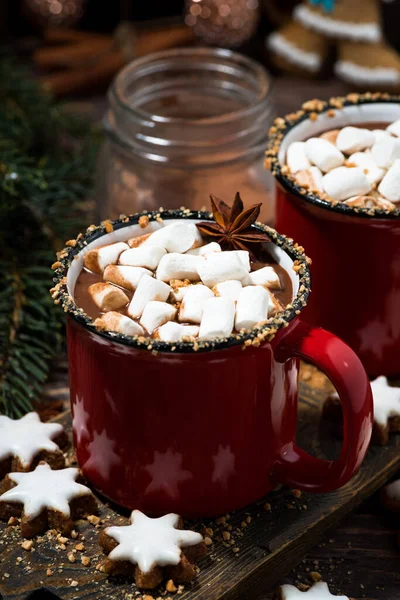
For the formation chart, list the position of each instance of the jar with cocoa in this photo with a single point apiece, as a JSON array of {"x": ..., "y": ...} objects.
[{"x": 181, "y": 124}]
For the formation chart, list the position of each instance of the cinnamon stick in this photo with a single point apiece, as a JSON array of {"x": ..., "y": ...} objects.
[{"x": 92, "y": 71}]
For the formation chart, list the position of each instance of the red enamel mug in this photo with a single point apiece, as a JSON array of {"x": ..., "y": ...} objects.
[
  {"x": 202, "y": 431},
  {"x": 355, "y": 255}
]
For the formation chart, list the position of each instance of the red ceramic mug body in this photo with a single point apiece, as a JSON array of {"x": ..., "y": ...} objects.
[
  {"x": 204, "y": 432},
  {"x": 355, "y": 257}
]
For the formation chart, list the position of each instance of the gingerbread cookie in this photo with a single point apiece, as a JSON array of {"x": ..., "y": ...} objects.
[
  {"x": 150, "y": 550},
  {"x": 25, "y": 442},
  {"x": 319, "y": 591},
  {"x": 386, "y": 410},
  {"x": 45, "y": 499}
]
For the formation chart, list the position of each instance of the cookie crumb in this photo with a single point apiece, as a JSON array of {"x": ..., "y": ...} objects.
[
  {"x": 170, "y": 586},
  {"x": 93, "y": 520},
  {"x": 61, "y": 539},
  {"x": 303, "y": 587},
  {"x": 11, "y": 521},
  {"x": 74, "y": 534},
  {"x": 143, "y": 221},
  {"x": 226, "y": 536},
  {"x": 208, "y": 541},
  {"x": 27, "y": 545},
  {"x": 71, "y": 557},
  {"x": 296, "y": 493},
  {"x": 80, "y": 547},
  {"x": 74, "y": 583},
  {"x": 85, "y": 560},
  {"x": 267, "y": 507},
  {"x": 49, "y": 572},
  {"x": 315, "y": 576}
]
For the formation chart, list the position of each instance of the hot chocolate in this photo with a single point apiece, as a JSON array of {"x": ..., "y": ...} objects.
[
  {"x": 175, "y": 284},
  {"x": 356, "y": 165}
]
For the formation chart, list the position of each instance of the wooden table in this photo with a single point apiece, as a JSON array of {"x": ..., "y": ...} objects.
[{"x": 359, "y": 558}]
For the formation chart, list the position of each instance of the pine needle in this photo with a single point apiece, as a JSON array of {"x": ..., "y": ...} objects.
[{"x": 47, "y": 161}]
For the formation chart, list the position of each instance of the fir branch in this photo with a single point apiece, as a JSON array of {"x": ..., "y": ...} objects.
[{"x": 46, "y": 166}]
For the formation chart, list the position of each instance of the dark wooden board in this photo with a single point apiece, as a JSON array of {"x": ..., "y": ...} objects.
[{"x": 268, "y": 547}]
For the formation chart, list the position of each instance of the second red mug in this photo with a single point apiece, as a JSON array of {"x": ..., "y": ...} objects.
[
  {"x": 204, "y": 432},
  {"x": 355, "y": 255}
]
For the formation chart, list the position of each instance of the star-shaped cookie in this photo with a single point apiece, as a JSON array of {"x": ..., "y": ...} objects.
[
  {"x": 26, "y": 441},
  {"x": 386, "y": 410},
  {"x": 151, "y": 549},
  {"x": 45, "y": 498},
  {"x": 319, "y": 591}
]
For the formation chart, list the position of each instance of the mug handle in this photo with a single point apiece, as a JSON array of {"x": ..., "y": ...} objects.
[{"x": 294, "y": 466}]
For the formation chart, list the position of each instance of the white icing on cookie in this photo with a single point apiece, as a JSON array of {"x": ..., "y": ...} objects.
[
  {"x": 25, "y": 438},
  {"x": 386, "y": 400},
  {"x": 319, "y": 591},
  {"x": 393, "y": 490},
  {"x": 149, "y": 542},
  {"x": 45, "y": 488}
]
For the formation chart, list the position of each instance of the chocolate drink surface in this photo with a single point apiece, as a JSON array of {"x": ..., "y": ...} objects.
[
  {"x": 357, "y": 165},
  {"x": 203, "y": 291}
]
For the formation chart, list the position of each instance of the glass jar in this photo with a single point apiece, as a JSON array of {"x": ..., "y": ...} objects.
[{"x": 183, "y": 124}]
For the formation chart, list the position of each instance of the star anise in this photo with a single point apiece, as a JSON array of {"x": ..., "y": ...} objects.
[{"x": 233, "y": 225}]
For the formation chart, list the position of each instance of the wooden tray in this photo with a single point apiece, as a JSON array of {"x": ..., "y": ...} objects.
[{"x": 258, "y": 556}]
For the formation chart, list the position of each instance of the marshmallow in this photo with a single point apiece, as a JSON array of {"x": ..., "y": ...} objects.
[
  {"x": 230, "y": 289},
  {"x": 179, "y": 266},
  {"x": 366, "y": 162},
  {"x": 381, "y": 134},
  {"x": 193, "y": 302},
  {"x": 296, "y": 158},
  {"x": 390, "y": 184},
  {"x": 252, "y": 307},
  {"x": 177, "y": 237},
  {"x": 244, "y": 256},
  {"x": 218, "y": 318},
  {"x": 330, "y": 136},
  {"x": 107, "y": 297},
  {"x": 97, "y": 260},
  {"x": 203, "y": 250},
  {"x": 126, "y": 277},
  {"x": 385, "y": 152},
  {"x": 138, "y": 241},
  {"x": 394, "y": 128},
  {"x": 175, "y": 332},
  {"x": 266, "y": 276},
  {"x": 114, "y": 321},
  {"x": 148, "y": 289},
  {"x": 148, "y": 257},
  {"x": 156, "y": 314},
  {"x": 323, "y": 154},
  {"x": 353, "y": 139},
  {"x": 310, "y": 178},
  {"x": 222, "y": 266},
  {"x": 344, "y": 182}
]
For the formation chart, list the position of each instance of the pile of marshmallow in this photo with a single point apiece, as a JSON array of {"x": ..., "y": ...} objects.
[
  {"x": 182, "y": 289},
  {"x": 356, "y": 166}
]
